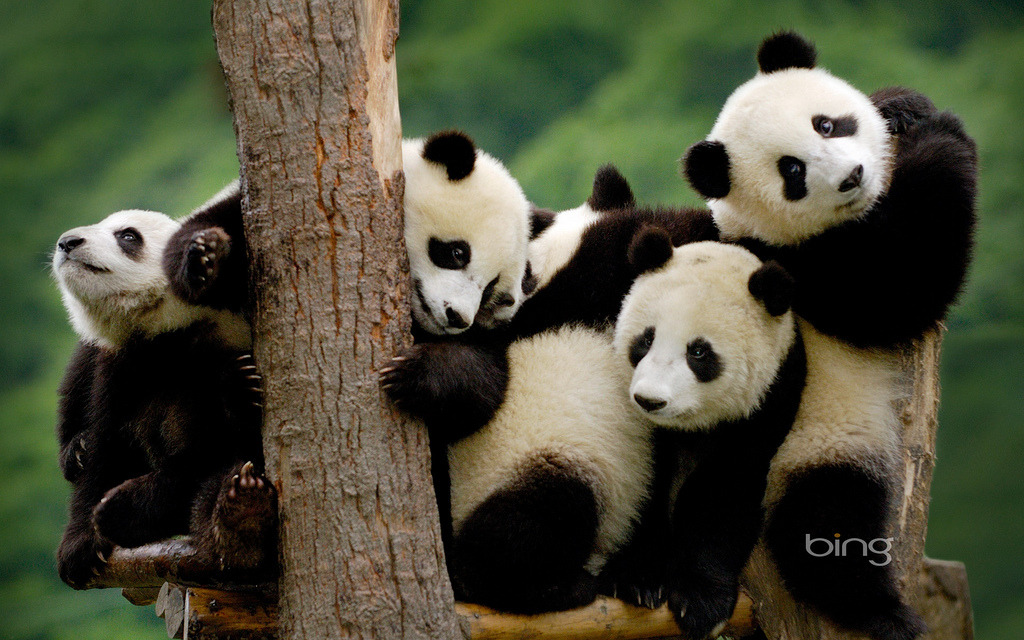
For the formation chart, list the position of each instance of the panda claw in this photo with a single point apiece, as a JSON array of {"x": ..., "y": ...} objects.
[
  {"x": 247, "y": 367},
  {"x": 243, "y": 357},
  {"x": 399, "y": 359},
  {"x": 386, "y": 370}
]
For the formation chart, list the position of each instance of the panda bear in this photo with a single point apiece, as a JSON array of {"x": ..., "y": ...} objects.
[
  {"x": 718, "y": 364},
  {"x": 576, "y": 272},
  {"x": 157, "y": 427},
  {"x": 549, "y": 483},
  {"x": 869, "y": 203}
]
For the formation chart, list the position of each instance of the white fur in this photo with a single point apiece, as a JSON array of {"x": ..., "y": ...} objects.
[
  {"x": 769, "y": 117},
  {"x": 555, "y": 247},
  {"x": 111, "y": 297},
  {"x": 702, "y": 292},
  {"x": 489, "y": 211},
  {"x": 846, "y": 412},
  {"x": 566, "y": 396}
]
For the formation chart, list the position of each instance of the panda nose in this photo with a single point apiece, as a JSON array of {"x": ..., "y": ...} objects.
[
  {"x": 67, "y": 243},
  {"x": 455, "y": 320},
  {"x": 648, "y": 404},
  {"x": 853, "y": 180}
]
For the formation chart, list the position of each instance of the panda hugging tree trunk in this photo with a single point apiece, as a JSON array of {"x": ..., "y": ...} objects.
[{"x": 159, "y": 427}]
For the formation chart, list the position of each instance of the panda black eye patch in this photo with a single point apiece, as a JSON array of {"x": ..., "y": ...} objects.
[
  {"x": 827, "y": 127},
  {"x": 488, "y": 293},
  {"x": 451, "y": 254},
  {"x": 130, "y": 241},
  {"x": 794, "y": 177},
  {"x": 640, "y": 346},
  {"x": 703, "y": 360}
]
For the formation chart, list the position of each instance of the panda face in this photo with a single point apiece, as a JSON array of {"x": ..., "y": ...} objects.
[
  {"x": 466, "y": 236},
  {"x": 112, "y": 280},
  {"x": 703, "y": 348},
  {"x": 805, "y": 152},
  {"x": 118, "y": 258}
]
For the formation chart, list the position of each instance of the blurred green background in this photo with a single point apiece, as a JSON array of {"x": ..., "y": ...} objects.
[{"x": 111, "y": 104}]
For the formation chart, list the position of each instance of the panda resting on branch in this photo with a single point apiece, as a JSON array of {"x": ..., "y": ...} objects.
[
  {"x": 158, "y": 427},
  {"x": 870, "y": 204}
]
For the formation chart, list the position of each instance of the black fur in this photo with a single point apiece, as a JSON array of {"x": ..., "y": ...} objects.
[
  {"x": 889, "y": 276},
  {"x": 794, "y": 177},
  {"x": 215, "y": 234},
  {"x": 610, "y": 191},
  {"x": 902, "y": 107},
  {"x": 161, "y": 414},
  {"x": 573, "y": 295},
  {"x": 570, "y": 297},
  {"x": 650, "y": 249},
  {"x": 540, "y": 219},
  {"x": 786, "y": 50},
  {"x": 703, "y": 361},
  {"x": 523, "y": 549},
  {"x": 773, "y": 286},
  {"x": 706, "y": 166},
  {"x": 690, "y": 549},
  {"x": 819, "y": 503},
  {"x": 454, "y": 151},
  {"x": 233, "y": 521},
  {"x": 131, "y": 242}
]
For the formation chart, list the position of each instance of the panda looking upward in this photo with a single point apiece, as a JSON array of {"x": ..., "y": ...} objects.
[
  {"x": 157, "y": 427},
  {"x": 869, "y": 204}
]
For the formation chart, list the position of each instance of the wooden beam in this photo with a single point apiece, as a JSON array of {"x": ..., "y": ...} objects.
[
  {"x": 151, "y": 565},
  {"x": 194, "y": 613}
]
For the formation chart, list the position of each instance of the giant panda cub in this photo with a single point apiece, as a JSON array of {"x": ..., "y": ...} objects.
[
  {"x": 718, "y": 364},
  {"x": 549, "y": 483},
  {"x": 157, "y": 425},
  {"x": 869, "y": 204}
]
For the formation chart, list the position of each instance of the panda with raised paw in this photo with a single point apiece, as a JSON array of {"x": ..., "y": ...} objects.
[
  {"x": 870, "y": 204},
  {"x": 156, "y": 418},
  {"x": 576, "y": 272},
  {"x": 551, "y": 482},
  {"x": 718, "y": 365}
]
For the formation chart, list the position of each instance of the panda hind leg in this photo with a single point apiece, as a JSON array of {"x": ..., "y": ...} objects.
[
  {"x": 234, "y": 519},
  {"x": 841, "y": 505},
  {"x": 523, "y": 550}
]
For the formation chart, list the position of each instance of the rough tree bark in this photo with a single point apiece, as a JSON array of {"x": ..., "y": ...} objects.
[{"x": 312, "y": 85}]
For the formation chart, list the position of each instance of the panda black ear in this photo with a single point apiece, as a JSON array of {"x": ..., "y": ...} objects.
[
  {"x": 786, "y": 50},
  {"x": 773, "y": 286},
  {"x": 650, "y": 249},
  {"x": 452, "y": 149},
  {"x": 611, "y": 190},
  {"x": 706, "y": 166}
]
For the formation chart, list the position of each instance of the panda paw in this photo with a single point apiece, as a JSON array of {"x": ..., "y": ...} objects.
[
  {"x": 113, "y": 519},
  {"x": 702, "y": 611},
  {"x": 243, "y": 528},
  {"x": 902, "y": 107},
  {"x": 245, "y": 496},
  {"x": 249, "y": 379},
  {"x": 203, "y": 258},
  {"x": 629, "y": 578},
  {"x": 82, "y": 557},
  {"x": 402, "y": 379},
  {"x": 74, "y": 456}
]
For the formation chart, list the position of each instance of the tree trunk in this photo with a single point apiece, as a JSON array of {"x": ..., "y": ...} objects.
[{"x": 312, "y": 85}]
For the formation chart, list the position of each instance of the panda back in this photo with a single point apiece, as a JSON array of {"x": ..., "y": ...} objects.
[{"x": 566, "y": 405}]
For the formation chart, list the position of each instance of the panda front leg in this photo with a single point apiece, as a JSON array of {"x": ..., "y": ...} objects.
[
  {"x": 234, "y": 519},
  {"x": 145, "y": 509},
  {"x": 830, "y": 539},
  {"x": 523, "y": 550},
  {"x": 455, "y": 387}
]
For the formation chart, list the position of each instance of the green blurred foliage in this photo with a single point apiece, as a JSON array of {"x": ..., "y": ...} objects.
[{"x": 108, "y": 104}]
